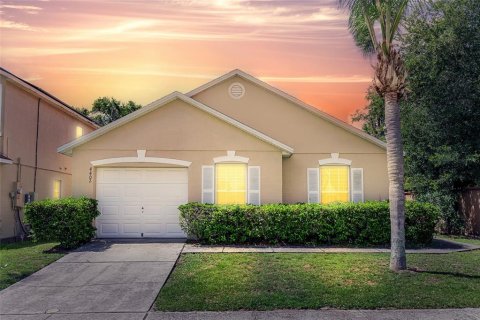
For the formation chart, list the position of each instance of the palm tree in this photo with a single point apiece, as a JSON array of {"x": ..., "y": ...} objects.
[{"x": 375, "y": 24}]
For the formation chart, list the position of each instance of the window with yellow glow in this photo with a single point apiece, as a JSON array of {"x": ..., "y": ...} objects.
[
  {"x": 231, "y": 183},
  {"x": 79, "y": 132},
  {"x": 334, "y": 183},
  {"x": 57, "y": 189}
]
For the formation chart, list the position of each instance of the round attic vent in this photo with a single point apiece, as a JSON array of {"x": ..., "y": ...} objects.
[{"x": 236, "y": 90}]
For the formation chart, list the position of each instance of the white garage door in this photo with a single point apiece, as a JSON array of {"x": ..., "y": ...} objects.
[{"x": 140, "y": 202}]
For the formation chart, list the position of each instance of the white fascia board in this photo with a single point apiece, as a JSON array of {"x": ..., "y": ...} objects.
[{"x": 68, "y": 148}]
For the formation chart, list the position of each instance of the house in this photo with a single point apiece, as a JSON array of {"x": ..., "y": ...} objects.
[
  {"x": 235, "y": 139},
  {"x": 33, "y": 124}
]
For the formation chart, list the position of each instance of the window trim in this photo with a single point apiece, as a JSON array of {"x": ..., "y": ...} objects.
[
  {"x": 349, "y": 173},
  {"x": 230, "y": 158},
  {"x": 363, "y": 184},
  {"x": 215, "y": 189},
  {"x": 249, "y": 191},
  {"x": 334, "y": 160}
]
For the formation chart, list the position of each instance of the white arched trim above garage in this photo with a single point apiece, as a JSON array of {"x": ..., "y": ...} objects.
[{"x": 141, "y": 158}]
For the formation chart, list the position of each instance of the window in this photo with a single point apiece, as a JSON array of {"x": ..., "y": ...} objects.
[
  {"x": 334, "y": 183},
  {"x": 78, "y": 132},
  {"x": 57, "y": 189},
  {"x": 231, "y": 183}
]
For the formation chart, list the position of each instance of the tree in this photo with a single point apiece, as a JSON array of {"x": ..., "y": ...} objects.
[
  {"x": 83, "y": 111},
  {"x": 105, "y": 110},
  {"x": 441, "y": 117},
  {"x": 389, "y": 82},
  {"x": 372, "y": 116}
]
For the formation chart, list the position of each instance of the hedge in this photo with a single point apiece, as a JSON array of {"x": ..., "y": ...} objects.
[
  {"x": 68, "y": 220},
  {"x": 365, "y": 223}
]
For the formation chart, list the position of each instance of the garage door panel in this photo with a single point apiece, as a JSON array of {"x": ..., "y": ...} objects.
[
  {"x": 163, "y": 210},
  {"x": 151, "y": 228},
  {"x": 130, "y": 228},
  {"x": 165, "y": 176},
  {"x": 136, "y": 202},
  {"x": 106, "y": 191},
  {"x": 170, "y": 194},
  {"x": 108, "y": 228},
  {"x": 109, "y": 210},
  {"x": 133, "y": 176},
  {"x": 174, "y": 229},
  {"x": 132, "y": 191},
  {"x": 109, "y": 175}
]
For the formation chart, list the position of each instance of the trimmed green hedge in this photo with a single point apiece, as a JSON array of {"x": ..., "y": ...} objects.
[
  {"x": 348, "y": 223},
  {"x": 68, "y": 220}
]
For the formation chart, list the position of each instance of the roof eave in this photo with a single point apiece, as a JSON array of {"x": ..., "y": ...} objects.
[
  {"x": 67, "y": 149},
  {"x": 47, "y": 97},
  {"x": 316, "y": 111}
]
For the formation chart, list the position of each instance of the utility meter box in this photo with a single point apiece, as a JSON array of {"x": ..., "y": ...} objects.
[{"x": 30, "y": 197}]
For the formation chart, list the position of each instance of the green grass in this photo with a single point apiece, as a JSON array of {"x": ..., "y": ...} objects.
[
  {"x": 18, "y": 260},
  {"x": 460, "y": 239},
  {"x": 256, "y": 281}
]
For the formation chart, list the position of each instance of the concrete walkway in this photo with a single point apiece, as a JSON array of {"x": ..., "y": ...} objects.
[
  {"x": 440, "y": 246},
  {"x": 99, "y": 278},
  {"x": 433, "y": 314}
]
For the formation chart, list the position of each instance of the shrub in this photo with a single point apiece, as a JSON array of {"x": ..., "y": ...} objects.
[
  {"x": 68, "y": 220},
  {"x": 334, "y": 224}
]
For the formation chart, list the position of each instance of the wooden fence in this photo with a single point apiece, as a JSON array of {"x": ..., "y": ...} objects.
[{"x": 470, "y": 210}]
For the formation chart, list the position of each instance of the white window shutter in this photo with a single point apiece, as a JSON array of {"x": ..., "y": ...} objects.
[
  {"x": 253, "y": 185},
  {"x": 208, "y": 184},
  {"x": 313, "y": 182},
  {"x": 357, "y": 184}
]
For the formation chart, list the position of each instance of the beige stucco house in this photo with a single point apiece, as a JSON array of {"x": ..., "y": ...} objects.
[
  {"x": 235, "y": 139},
  {"x": 33, "y": 124}
]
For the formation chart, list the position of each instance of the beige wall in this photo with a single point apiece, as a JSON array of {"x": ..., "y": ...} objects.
[
  {"x": 180, "y": 131},
  {"x": 311, "y": 137},
  {"x": 56, "y": 127}
]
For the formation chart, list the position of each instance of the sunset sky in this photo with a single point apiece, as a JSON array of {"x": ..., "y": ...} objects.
[{"x": 141, "y": 50}]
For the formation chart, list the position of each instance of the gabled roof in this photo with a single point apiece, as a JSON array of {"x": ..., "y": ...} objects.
[
  {"x": 47, "y": 97},
  {"x": 290, "y": 98},
  {"x": 68, "y": 148}
]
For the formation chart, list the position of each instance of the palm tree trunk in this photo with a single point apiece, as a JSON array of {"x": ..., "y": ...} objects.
[{"x": 398, "y": 260}]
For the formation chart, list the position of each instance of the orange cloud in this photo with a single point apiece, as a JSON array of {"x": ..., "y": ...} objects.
[{"x": 141, "y": 50}]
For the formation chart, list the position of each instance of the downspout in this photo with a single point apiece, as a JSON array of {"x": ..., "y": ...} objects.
[{"x": 36, "y": 148}]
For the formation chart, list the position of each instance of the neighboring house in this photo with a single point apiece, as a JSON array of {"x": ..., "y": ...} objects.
[
  {"x": 33, "y": 124},
  {"x": 235, "y": 139}
]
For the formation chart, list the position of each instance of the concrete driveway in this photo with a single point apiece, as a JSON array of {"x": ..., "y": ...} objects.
[{"x": 101, "y": 280}]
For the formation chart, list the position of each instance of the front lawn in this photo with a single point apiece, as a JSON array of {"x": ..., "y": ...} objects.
[
  {"x": 18, "y": 260},
  {"x": 257, "y": 281}
]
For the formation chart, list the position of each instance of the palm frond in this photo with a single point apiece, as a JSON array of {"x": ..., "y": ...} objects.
[{"x": 361, "y": 23}]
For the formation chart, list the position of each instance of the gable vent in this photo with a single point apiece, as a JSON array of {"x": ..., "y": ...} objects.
[{"x": 236, "y": 90}]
